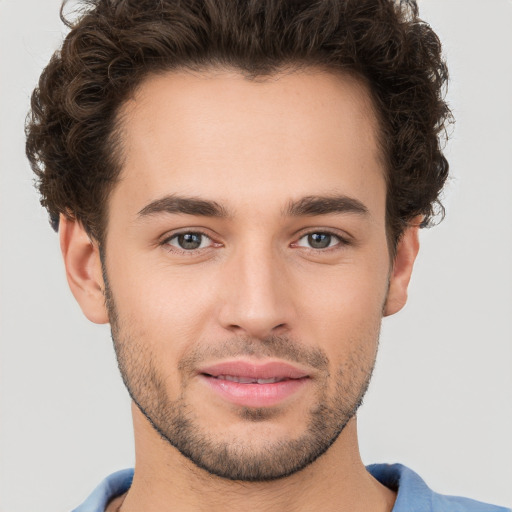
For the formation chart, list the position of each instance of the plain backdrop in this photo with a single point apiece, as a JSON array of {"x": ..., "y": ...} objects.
[{"x": 441, "y": 398}]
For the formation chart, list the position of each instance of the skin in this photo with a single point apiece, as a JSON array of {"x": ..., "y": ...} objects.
[{"x": 253, "y": 148}]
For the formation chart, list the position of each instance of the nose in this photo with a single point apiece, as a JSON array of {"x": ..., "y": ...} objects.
[{"x": 257, "y": 296}]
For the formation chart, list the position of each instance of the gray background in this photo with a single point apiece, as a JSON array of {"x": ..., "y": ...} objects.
[{"x": 441, "y": 397}]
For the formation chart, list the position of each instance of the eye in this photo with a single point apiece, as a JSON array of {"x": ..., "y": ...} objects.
[
  {"x": 189, "y": 241},
  {"x": 319, "y": 240}
]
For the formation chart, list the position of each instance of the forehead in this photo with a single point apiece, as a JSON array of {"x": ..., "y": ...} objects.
[{"x": 219, "y": 135}]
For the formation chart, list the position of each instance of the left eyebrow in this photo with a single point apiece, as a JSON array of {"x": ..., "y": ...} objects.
[{"x": 324, "y": 205}]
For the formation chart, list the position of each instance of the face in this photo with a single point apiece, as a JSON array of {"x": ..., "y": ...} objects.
[{"x": 246, "y": 264}]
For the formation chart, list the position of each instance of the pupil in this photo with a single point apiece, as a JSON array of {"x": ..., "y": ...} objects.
[
  {"x": 189, "y": 240},
  {"x": 319, "y": 240}
]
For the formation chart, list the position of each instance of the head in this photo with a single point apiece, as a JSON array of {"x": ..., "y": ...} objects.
[{"x": 239, "y": 187}]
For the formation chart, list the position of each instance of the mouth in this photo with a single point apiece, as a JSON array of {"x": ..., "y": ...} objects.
[
  {"x": 252, "y": 384},
  {"x": 247, "y": 380}
]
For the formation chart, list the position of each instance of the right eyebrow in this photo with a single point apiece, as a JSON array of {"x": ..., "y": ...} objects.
[{"x": 184, "y": 205}]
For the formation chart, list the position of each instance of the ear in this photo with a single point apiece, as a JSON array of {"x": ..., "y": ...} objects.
[
  {"x": 406, "y": 253},
  {"x": 83, "y": 269}
]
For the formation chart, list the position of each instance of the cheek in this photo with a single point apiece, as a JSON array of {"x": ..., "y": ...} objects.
[
  {"x": 157, "y": 325},
  {"x": 356, "y": 291},
  {"x": 161, "y": 305},
  {"x": 343, "y": 309}
]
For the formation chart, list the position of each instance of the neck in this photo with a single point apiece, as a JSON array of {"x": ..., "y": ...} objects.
[{"x": 165, "y": 480}]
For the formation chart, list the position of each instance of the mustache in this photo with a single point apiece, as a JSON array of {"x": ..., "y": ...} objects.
[{"x": 280, "y": 347}]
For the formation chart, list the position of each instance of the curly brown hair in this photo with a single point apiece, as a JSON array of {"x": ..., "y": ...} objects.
[{"x": 73, "y": 143}]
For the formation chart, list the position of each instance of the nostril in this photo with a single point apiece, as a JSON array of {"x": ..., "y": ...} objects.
[{"x": 279, "y": 328}]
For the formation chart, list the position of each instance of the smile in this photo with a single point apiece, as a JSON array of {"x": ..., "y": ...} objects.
[{"x": 254, "y": 384}]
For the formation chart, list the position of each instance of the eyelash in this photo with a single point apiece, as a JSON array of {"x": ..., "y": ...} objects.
[
  {"x": 171, "y": 248},
  {"x": 341, "y": 242}
]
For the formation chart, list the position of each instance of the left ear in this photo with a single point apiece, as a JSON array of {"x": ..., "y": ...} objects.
[{"x": 406, "y": 253}]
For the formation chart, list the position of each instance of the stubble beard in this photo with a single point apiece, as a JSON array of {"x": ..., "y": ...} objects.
[{"x": 236, "y": 459}]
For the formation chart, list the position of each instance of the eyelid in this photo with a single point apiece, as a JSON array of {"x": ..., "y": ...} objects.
[
  {"x": 165, "y": 239},
  {"x": 343, "y": 238}
]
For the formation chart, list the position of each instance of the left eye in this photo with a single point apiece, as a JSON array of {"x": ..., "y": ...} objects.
[
  {"x": 318, "y": 240},
  {"x": 189, "y": 241}
]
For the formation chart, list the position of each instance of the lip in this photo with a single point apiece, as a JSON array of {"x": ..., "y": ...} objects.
[
  {"x": 289, "y": 380},
  {"x": 255, "y": 370}
]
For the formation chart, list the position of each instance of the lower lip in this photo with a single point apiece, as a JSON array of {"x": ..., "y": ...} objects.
[{"x": 255, "y": 395}]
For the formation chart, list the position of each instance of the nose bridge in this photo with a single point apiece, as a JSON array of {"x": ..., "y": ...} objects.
[{"x": 255, "y": 301}]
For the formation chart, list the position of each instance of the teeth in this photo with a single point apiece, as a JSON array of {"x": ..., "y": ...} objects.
[
  {"x": 242, "y": 380},
  {"x": 268, "y": 381},
  {"x": 249, "y": 380}
]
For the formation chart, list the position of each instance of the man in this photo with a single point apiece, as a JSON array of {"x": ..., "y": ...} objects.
[{"x": 238, "y": 189}]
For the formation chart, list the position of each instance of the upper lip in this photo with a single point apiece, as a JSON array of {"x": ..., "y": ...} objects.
[{"x": 254, "y": 370}]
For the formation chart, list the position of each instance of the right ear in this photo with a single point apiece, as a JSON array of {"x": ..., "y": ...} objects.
[{"x": 83, "y": 269}]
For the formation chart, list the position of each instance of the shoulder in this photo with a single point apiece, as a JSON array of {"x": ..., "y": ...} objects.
[
  {"x": 111, "y": 487},
  {"x": 414, "y": 494}
]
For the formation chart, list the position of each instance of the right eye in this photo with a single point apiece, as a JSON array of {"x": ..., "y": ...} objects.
[
  {"x": 318, "y": 240},
  {"x": 189, "y": 241}
]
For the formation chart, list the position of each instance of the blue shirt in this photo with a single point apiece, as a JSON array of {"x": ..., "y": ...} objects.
[{"x": 413, "y": 493}]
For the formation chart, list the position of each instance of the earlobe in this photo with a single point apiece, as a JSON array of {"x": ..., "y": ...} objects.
[
  {"x": 83, "y": 269},
  {"x": 406, "y": 253}
]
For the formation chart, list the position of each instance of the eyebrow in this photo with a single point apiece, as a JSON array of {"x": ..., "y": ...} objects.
[
  {"x": 306, "y": 206},
  {"x": 183, "y": 205},
  {"x": 324, "y": 205}
]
